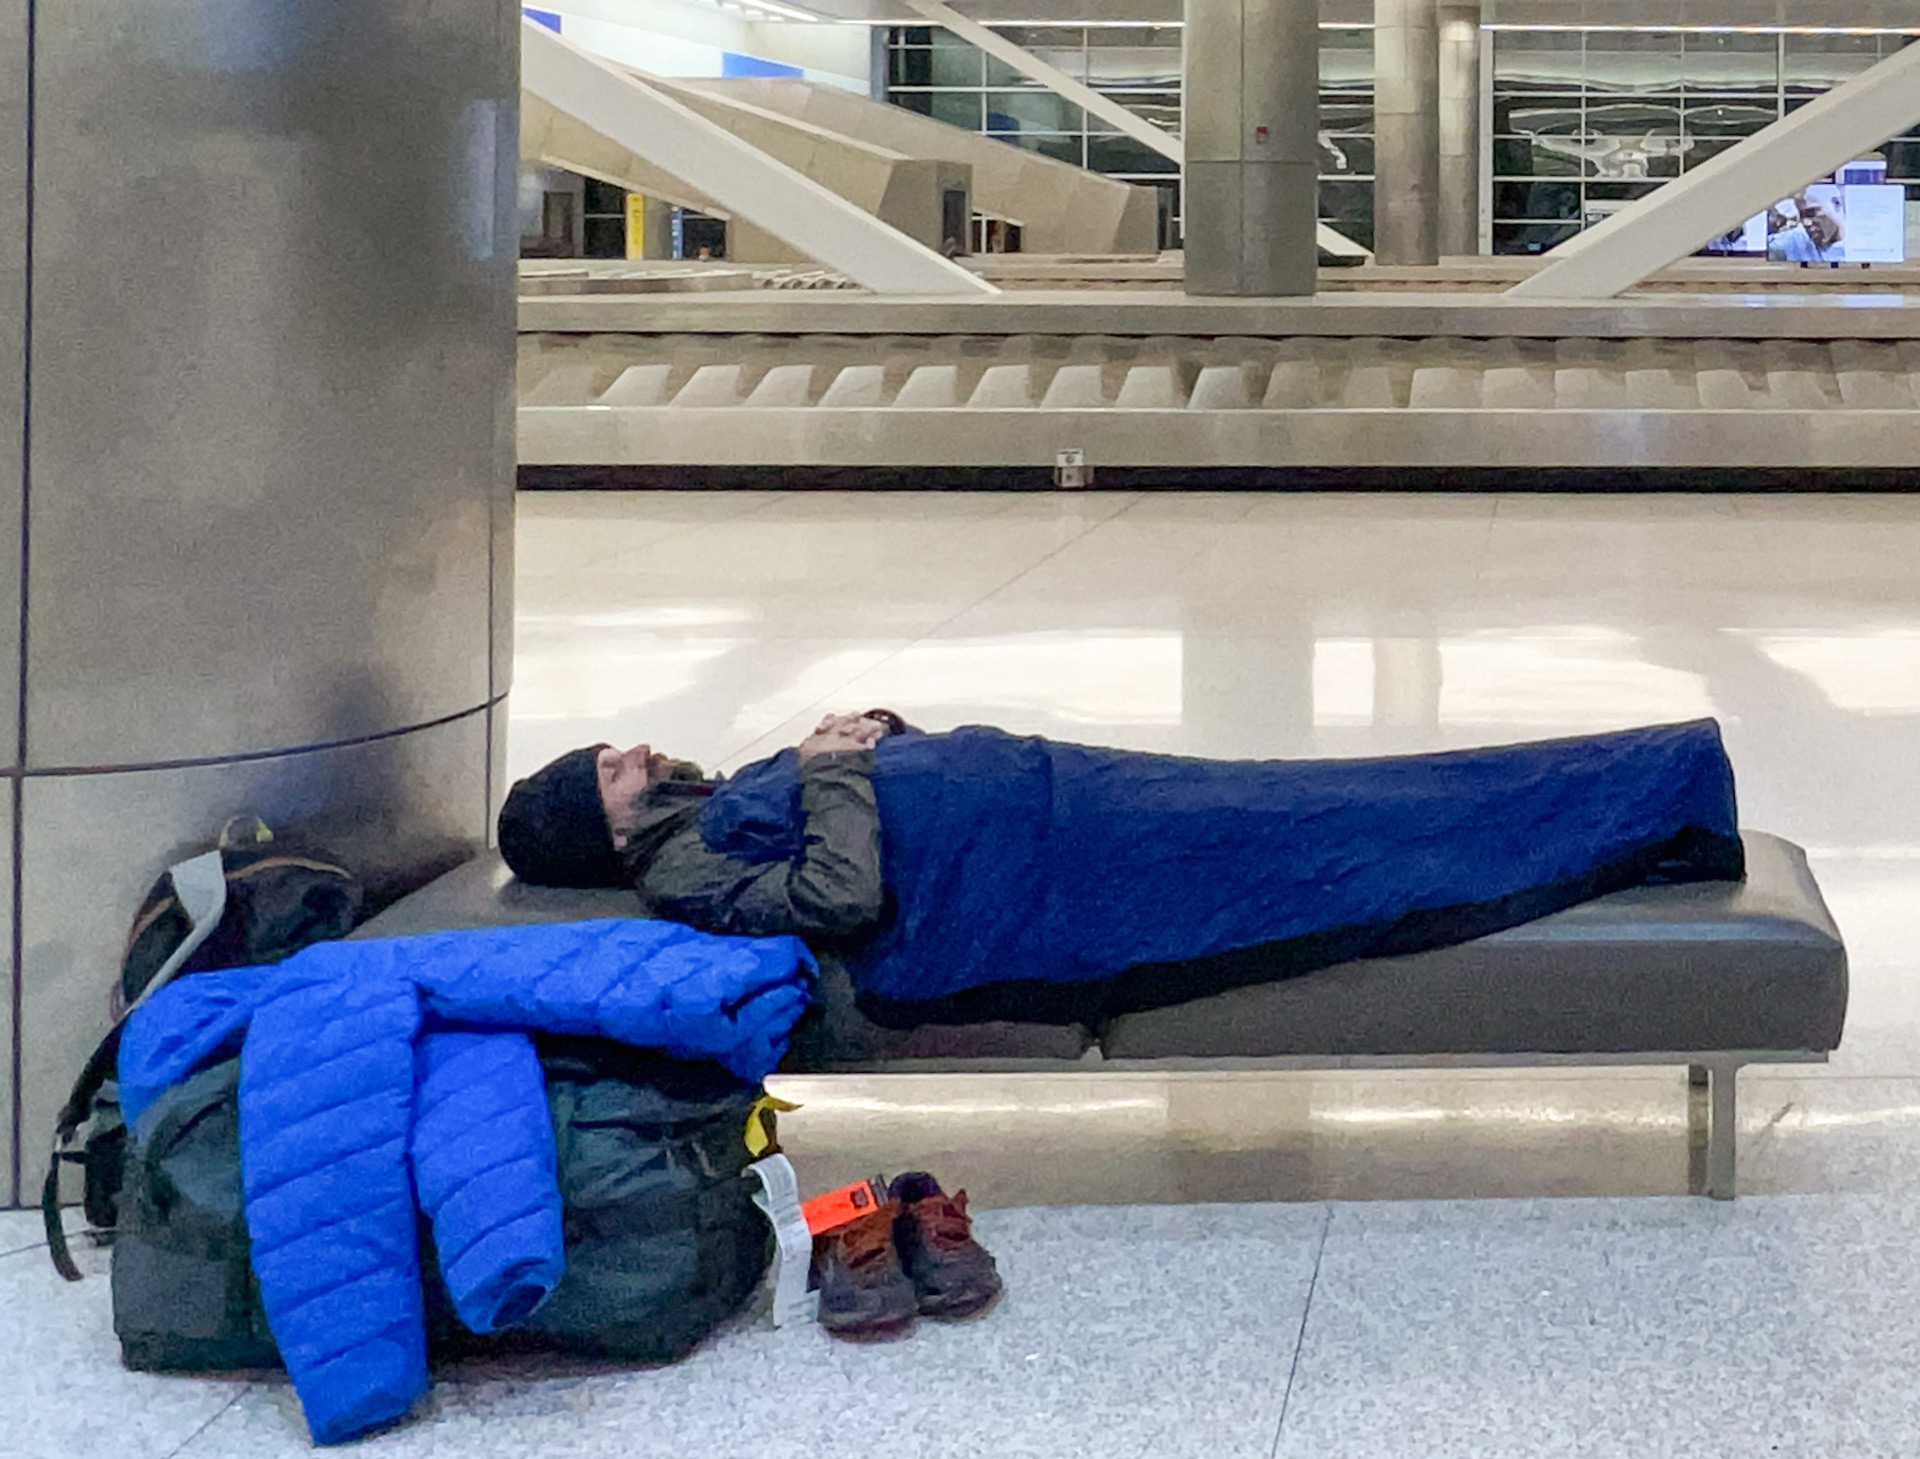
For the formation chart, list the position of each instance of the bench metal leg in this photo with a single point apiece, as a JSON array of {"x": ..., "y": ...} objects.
[{"x": 1722, "y": 1133}]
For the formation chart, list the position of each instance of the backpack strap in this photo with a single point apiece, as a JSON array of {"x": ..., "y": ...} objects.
[
  {"x": 73, "y": 1114},
  {"x": 200, "y": 884}
]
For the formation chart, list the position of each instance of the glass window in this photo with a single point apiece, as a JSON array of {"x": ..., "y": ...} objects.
[
  {"x": 1162, "y": 108},
  {"x": 1037, "y": 38},
  {"x": 1346, "y": 115},
  {"x": 1702, "y": 150},
  {"x": 1060, "y": 146},
  {"x": 1531, "y": 237},
  {"x": 1619, "y": 192},
  {"x": 1525, "y": 116},
  {"x": 956, "y": 108},
  {"x": 1123, "y": 154},
  {"x": 1903, "y": 159},
  {"x": 955, "y": 62},
  {"x": 1532, "y": 157},
  {"x": 910, "y": 66},
  {"x": 1059, "y": 46},
  {"x": 1536, "y": 200},
  {"x": 1730, "y": 117},
  {"x": 1031, "y": 111},
  {"x": 1722, "y": 61},
  {"x": 1348, "y": 207},
  {"x": 1133, "y": 55},
  {"x": 1822, "y": 62},
  {"x": 1583, "y": 121},
  {"x": 999, "y": 73},
  {"x": 1628, "y": 153},
  {"x": 1550, "y": 60},
  {"x": 604, "y": 198},
  {"x": 1628, "y": 62},
  {"x": 1346, "y": 61},
  {"x": 1346, "y": 156},
  {"x": 1609, "y": 116}
]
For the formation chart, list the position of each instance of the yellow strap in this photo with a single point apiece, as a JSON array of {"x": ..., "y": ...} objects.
[{"x": 759, "y": 1134}]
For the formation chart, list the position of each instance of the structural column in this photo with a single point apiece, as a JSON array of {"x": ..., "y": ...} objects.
[
  {"x": 1459, "y": 101},
  {"x": 256, "y": 463},
  {"x": 1406, "y": 124},
  {"x": 1252, "y": 70}
]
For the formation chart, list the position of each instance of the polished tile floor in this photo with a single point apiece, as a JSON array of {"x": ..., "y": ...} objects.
[{"x": 1263, "y": 1265}]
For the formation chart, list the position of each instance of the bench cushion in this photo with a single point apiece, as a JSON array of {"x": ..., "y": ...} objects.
[{"x": 1753, "y": 965}]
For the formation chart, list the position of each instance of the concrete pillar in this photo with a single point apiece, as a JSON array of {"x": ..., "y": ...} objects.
[
  {"x": 659, "y": 221},
  {"x": 256, "y": 463},
  {"x": 1252, "y": 151},
  {"x": 1459, "y": 101},
  {"x": 877, "y": 62},
  {"x": 1406, "y": 124}
]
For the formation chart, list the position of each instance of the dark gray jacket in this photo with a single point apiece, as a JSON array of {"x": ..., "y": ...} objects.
[{"x": 832, "y": 890}]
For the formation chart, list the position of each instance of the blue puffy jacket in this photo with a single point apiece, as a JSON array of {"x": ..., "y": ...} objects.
[{"x": 382, "y": 1079}]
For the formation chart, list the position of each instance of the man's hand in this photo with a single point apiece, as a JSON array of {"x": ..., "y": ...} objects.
[{"x": 839, "y": 734}]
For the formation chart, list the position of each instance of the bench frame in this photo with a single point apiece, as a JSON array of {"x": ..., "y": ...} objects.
[{"x": 1717, "y": 1071}]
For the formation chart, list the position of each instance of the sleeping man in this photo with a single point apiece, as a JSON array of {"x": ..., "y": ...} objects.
[{"x": 977, "y": 875}]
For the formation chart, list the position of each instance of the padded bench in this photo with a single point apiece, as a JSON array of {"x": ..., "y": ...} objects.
[{"x": 1712, "y": 975}]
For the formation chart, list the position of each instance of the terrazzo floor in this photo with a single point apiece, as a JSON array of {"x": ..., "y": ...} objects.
[{"x": 1374, "y": 1265}]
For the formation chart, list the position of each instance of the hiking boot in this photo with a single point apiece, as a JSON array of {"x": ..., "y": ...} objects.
[
  {"x": 863, "y": 1291},
  {"x": 952, "y": 1274}
]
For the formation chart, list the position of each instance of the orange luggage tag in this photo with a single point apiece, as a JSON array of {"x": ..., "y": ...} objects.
[{"x": 849, "y": 1203}]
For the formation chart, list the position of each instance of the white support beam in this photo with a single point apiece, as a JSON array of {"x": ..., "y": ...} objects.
[
  {"x": 1333, "y": 241},
  {"x": 1667, "y": 225},
  {"x": 736, "y": 175},
  {"x": 1120, "y": 118}
]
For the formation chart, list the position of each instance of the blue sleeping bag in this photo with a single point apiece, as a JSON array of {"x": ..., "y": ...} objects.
[
  {"x": 385, "y": 1080},
  {"x": 1046, "y": 881}
]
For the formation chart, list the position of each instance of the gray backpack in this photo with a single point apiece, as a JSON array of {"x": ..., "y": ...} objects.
[{"x": 251, "y": 900}]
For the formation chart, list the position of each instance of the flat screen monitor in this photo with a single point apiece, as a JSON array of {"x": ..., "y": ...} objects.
[
  {"x": 1825, "y": 222},
  {"x": 1830, "y": 222}
]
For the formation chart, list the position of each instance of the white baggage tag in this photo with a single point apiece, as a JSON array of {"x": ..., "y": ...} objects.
[{"x": 779, "y": 1201}]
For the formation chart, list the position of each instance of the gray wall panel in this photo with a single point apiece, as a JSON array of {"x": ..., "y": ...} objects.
[
  {"x": 267, "y": 446},
  {"x": 504, "y": 320},
  {"x": 497, "y": 766},
  {"x": 397, "y": 811},
  {"x": 7, "y": 1154},
  {"x": 13, "y": 283},
  {"x": 502, "y": 510}
]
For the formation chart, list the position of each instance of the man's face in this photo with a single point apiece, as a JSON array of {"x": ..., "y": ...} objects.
[
  {"x": 625, "y": 777},
  {"x": 1816, "y": 213}
]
